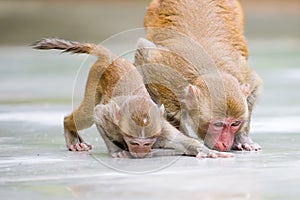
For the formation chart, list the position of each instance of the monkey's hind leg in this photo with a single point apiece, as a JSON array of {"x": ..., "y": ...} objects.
[
  {"x": 80, "y": 119},
  {"x": 74, "y": 141}
]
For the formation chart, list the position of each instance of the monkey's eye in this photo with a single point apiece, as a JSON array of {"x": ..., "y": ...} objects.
[
  {"x": 147, "y": 144},
  {"x": 237, "y": 123},
  {"x": 219, "y": 124},
  {"x": 134, "y": 143}
]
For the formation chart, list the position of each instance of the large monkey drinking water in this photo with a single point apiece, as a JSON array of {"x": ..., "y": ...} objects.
[
  {"x": 116, "y": 100},
  {"x": 194, "y": 61}
]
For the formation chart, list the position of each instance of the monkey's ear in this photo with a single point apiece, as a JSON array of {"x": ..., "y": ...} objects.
[
  {"x": 246, "y": 89},
  {"x": 144, "y": 43},
  {"x": 116, "y": 113},
  {"x": 191, "y": 96},
  {"x": 162, "y": 109},
  {"x": 147, "y": 49}
]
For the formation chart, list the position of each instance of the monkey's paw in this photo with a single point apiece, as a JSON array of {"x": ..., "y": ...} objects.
[
  {"x": 121, "y": 154},
  {"x": 214, "y": 154},
  {"x": 246, "y": 147},
  {"x": 80, "y": 147},
  {"x": 243, "y": 142}
]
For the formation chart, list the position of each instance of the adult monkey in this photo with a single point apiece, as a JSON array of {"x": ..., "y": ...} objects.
[{"x": 195, "y": 63}]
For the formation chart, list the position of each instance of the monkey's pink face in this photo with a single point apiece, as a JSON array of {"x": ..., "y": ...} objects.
[
  {"x": 139, "y": 147},
  {"x": 220, "y": 133}
]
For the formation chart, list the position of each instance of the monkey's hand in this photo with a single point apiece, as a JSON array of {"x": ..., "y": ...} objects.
[
  {"x": 243, "y": 142},
  {"x": 80, "y": 147},
  {"x": 207, "y": 153}
]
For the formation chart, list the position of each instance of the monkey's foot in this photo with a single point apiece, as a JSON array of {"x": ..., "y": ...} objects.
[
  {"x": 246, "y": 147},
  {"x": 214, "y": 154},
  {"x": 121, "y": 154},
  {"x": 80, "y": 147}
]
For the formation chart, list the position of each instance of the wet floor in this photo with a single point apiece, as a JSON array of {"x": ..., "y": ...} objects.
[{"x": 36, "y": 92}]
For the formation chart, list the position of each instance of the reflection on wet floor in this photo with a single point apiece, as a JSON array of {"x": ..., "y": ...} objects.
[{"x": 34, "y": 163}]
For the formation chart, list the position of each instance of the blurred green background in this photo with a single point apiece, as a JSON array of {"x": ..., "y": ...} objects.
[{"x": 25, "y": 21}]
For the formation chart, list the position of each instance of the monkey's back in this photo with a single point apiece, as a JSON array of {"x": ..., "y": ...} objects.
[
  {"x": 216, "y": 26},
  {"x": 119, "y": 78}
]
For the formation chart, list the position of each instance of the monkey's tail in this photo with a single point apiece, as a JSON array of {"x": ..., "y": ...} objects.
[{"x": 70, "y": 46}]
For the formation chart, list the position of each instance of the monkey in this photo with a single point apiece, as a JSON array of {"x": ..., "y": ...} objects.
[
  {"x": 200, "y": 48},
  {"x": 116, "y": 100}
]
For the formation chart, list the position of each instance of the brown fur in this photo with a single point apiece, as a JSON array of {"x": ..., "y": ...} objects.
[
  {"x": 118, "y": 102},
  {"x": 198, "y": 43}
]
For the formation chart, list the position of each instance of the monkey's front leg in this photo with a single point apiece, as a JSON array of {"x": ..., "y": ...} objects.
[
  {"x": 113, "y": 149},
  {"x": 242, "y": 141},
  {"x": 172, "y": 138},
  {"x": 103, "y": 117}
]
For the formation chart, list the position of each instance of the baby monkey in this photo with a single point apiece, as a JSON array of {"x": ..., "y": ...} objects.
[{"x": 116, "y": 100}]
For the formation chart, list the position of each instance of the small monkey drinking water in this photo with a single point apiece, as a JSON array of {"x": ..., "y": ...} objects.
[{"x": 116, "y": 100}]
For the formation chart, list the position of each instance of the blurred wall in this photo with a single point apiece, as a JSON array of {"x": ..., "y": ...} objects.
[{"x": 23, "y": 21}]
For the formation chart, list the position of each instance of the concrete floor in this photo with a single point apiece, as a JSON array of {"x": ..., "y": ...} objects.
[{"x": 34, "y": 163}]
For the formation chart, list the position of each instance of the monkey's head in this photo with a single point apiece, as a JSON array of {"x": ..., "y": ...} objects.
[
  {"x": 140, "y": 120},
  {"x": 216, "y": 108}
]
